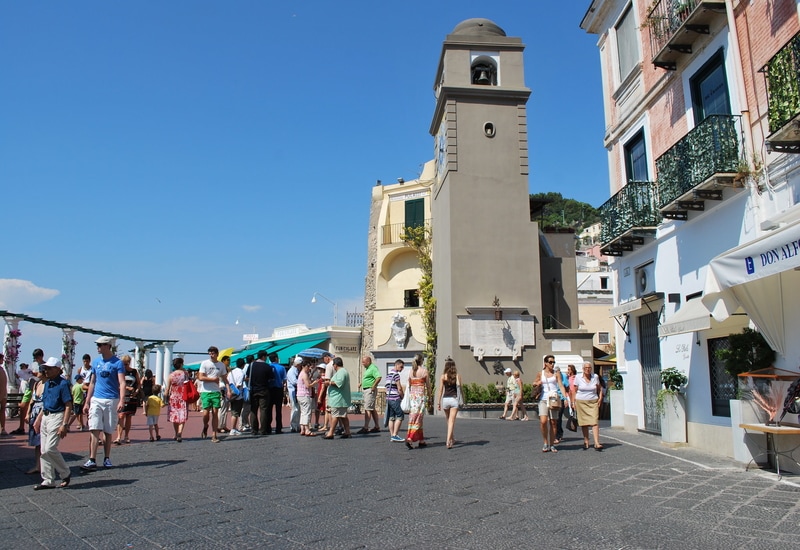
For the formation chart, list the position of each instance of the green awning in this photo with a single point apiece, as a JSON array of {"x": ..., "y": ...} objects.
[
  {"x": 285, "y": 349},
  {"x": 251, "y": 349},
  {"x": 290, "y": 351}
]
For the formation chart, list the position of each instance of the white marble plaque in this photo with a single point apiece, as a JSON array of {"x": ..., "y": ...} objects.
[{"x": 488, "y": 337}]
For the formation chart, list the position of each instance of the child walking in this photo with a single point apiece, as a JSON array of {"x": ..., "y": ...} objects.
[
  {"x": 77, "y": 402},
  {"x": 153, "y": 409}
]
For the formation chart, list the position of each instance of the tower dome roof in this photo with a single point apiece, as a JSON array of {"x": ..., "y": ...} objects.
[{"x": 478, "y": 26}]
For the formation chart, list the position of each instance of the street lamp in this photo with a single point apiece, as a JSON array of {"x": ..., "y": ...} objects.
[{"x": 335, "y": 307}]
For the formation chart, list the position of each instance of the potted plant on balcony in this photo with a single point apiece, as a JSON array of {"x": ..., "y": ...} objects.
[
  {"x": 671, "y": 407},
  {"x": 617, "y": 399},
  {"x": 682, "y": 8}
]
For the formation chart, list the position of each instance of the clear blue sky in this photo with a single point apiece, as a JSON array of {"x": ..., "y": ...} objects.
[{"x": 169, "y": 167}]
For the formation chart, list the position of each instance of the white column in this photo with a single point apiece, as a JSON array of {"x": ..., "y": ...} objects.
[
  {"x": 138, "y": 356},
  {"x": 159, "y": 373},
  {"x": 68, "y": 344},
  {"x": 167, "y": 360},
  {"x": 11, "y": 350}
]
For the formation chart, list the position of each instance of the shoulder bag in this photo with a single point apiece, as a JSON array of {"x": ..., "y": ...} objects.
[
  {"x": 537, "y": 390},
  {"x": 572, "y": 422},
  {"x": 405, "y": 403},
  {"x": 190, "y": 393},
  {"x": 459, "y": 395}
]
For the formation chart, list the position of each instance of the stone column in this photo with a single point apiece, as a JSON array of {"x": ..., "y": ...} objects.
[
  {"x": 11, "y": 350},
  {"x": 159, "y": 370},
  {"x": 167, "y": 361},
  {"x": 138, "y": 356},
  {"x": 68, "y": 344}
]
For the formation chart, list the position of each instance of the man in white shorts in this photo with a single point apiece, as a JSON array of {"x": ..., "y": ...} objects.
[{"x": 106, "y": 385}]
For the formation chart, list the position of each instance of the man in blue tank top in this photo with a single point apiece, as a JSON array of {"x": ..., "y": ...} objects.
[{"x": 106, "y": 385}]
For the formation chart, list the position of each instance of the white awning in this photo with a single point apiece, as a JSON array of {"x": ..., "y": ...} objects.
[
  {"x": 632, "y": 306},
  {"x": 627, "y": 307},
  {"x": 760, "y": 277},
  {"x": 691, "y": 317}
]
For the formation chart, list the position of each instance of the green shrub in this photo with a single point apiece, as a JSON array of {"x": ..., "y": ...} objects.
[{"x": 475, "y": 393}]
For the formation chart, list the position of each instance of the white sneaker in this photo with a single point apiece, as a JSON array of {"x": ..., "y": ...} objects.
[{"x": 235, "y": 432}]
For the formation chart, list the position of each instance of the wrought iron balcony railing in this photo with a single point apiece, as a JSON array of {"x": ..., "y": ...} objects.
[
  {"x": 711, "y": 148},
  {"x": 782, "y": 73},
  {"x": 675, "y": 24},
  {"x": 392, "y": 233},
  {"x": 634, "y": 207}
]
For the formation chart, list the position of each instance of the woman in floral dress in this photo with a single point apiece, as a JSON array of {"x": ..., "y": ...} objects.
[
  {"x": 418, "y": 384},
  {"x": 178, "y": 410}
]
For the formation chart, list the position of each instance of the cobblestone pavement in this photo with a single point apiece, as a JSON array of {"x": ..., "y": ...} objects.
[{"x": 495, "y": 489}]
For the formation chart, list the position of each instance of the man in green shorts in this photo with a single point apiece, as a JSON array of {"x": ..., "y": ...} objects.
[{"x": 210, "y": 373}]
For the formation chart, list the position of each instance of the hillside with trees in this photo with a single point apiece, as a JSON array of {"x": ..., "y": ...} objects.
[{"x": 559, "y": 212}]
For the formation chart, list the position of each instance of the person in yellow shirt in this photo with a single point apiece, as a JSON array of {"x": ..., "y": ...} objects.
[{"x": 153, "y": 410}]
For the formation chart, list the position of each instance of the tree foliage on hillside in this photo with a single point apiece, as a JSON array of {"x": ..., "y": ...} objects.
[{"x": 561, "y": 212}]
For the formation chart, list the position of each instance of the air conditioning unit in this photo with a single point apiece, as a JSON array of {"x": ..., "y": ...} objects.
[{"x": 645, "y": 280}]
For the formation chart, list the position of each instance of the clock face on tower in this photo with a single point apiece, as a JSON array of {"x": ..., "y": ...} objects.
[{"x": 441, "y": 150}]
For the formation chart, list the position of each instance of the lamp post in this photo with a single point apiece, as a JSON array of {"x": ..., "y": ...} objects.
[{"x": 335, "y": 307}]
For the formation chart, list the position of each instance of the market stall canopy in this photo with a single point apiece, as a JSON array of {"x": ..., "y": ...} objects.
[
  {"x": 285, "y": 349},
  {"x": 758, "y": 276},
  {"x": 603, "y": 358}
]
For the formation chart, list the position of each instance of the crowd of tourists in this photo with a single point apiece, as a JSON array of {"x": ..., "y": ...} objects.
[{"x": 248, "y": 398}]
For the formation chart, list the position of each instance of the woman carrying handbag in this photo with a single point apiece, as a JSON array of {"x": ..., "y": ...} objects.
[
  {"x": 587, "y": 396},
  {"x": 549, "y": 402}
]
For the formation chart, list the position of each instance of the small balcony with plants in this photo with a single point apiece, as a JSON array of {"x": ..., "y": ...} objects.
[
  {"x": 700, "y": 165},
  {"x": 782, "y": 73},
  {"x": 629, "y": 217},
  {"x": 676, "y": 25}
]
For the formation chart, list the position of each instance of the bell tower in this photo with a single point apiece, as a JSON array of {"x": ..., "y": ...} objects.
[{"x": 486, "y": 267}]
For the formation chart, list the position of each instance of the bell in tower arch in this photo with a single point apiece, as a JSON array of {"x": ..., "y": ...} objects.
[{"x": 484, "y": 74}]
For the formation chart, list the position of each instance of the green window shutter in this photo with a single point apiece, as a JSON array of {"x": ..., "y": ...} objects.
[{"x": 415, "y": 213}]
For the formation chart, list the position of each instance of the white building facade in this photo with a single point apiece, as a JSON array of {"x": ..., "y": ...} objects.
[{"x": 701, "y": 104}]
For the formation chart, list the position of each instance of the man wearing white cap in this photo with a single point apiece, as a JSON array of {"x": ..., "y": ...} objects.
[
  {"x": 53, "y": 425},
  {"x": 106, "y": 385}
]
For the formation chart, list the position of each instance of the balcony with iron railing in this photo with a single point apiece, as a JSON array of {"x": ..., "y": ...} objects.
[
  {"x": 675, "y": 25},
  {"x": 629, "y": 217},
  {"x": 699, "y": 166},
  {"x": 393, "y": 233},
  {"x": 782, "y": 73}
]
